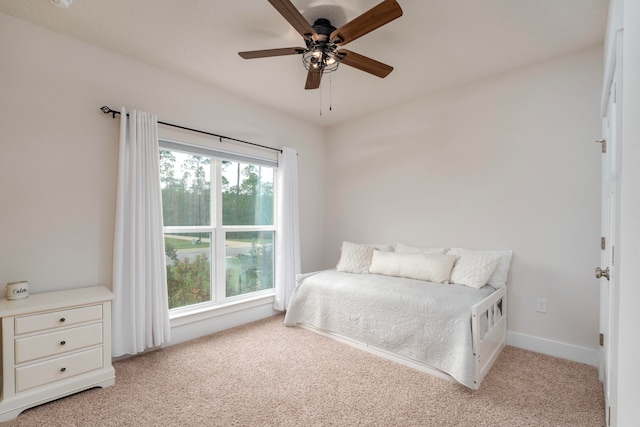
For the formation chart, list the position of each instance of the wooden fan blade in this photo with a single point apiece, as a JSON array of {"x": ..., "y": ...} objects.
[
  {"x": 313, "y": 79},
  {"x": 363, "y": 63},
  {"x": 251, "y": 54},
  {"x": 293, "y": 17},
  {"x": 375, "y": 17}
]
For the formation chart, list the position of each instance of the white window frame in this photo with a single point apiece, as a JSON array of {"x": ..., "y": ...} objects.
[{"x": 218, "y": 230}]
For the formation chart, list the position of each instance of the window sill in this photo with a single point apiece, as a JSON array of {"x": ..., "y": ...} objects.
[{"x": 210, "y": 311}]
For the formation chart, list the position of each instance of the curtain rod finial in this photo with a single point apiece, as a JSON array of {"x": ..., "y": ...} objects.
[{"x": 108, "y": 110}]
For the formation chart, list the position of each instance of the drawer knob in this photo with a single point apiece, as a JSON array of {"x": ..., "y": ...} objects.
[
  {"x": 62, "y": 319},
  {"x": 63, "y": 369},
  {"x": 63, "y": 342}
]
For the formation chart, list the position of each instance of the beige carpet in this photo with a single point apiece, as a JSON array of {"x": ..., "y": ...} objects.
[{"x": 266, "y": 374}]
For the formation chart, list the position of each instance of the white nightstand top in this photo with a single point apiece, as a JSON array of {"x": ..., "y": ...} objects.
[{"x": 54, "y": 300}]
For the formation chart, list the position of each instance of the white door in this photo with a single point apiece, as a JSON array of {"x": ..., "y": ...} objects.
[{"x": 607, "y": 269}]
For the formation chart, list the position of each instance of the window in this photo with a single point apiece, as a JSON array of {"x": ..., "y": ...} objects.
[{"x": 218, "y": 212}]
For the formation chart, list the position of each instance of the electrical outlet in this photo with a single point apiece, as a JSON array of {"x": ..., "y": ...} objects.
[{"x": 541, "y": 305}]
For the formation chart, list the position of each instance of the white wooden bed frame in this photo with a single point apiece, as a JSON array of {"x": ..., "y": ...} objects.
[{"x": 486, "y": 349}]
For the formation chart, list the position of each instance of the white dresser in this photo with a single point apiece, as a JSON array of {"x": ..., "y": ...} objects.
[{"x": 54, "y": 344}]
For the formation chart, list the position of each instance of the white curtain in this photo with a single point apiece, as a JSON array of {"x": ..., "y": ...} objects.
[
  {"x": 140, "y": 317},
  {"x": 288, "y": 234}
]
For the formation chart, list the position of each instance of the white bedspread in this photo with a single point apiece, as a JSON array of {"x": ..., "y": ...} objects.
[{"x": 425, "y": 321}]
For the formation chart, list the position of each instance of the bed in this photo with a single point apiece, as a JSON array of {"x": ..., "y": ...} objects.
[{"x": 411, "y": 307}]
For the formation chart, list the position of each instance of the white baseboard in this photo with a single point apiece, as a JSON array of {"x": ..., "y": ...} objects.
[{"x": 571, "y": 352}]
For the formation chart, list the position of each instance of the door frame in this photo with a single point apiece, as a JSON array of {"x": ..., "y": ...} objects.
[{"x": 610, "y": 208}]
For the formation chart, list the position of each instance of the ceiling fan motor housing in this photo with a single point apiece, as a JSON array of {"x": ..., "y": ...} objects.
[{"x": 323, "y": 29}]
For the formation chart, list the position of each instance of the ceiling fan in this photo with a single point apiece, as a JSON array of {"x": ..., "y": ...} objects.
[{"x": 321, "y": 54}]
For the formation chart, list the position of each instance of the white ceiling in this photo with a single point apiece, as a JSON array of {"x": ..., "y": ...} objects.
[{"x": 434, "y": 46}]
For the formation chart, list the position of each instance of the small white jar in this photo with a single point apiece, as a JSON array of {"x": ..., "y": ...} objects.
[{"x": 17, "y": 290}]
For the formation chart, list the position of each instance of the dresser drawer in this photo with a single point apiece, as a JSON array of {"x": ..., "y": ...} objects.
[
  {"x": 56, "y": 319},
  {"x": 58, "y": 342},
  {"x": 57, "y": 369}
]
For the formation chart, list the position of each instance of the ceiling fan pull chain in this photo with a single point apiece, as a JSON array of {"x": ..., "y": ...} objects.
[
  {"x": 330, "y": 92},
  {"x": 320, "y": 101}
]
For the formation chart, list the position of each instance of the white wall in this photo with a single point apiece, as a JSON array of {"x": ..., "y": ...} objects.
[
  {"x": 507, "y": 163},
  {"x": 58, "y": 152}
]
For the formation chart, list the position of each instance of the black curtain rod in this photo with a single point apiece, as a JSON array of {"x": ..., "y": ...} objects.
[{"x": 113, "y": 113}]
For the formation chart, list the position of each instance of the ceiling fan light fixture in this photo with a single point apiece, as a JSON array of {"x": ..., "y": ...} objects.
[{"x": 321, "y": 58}]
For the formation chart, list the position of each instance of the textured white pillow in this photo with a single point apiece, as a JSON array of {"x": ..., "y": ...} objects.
[
  {"x": 410, "y": 249},
  {"x": 498, "y": 278},
  {"x": 474, "y": 268},
  {"x": 355, "y": 258},
  {"x": 429, "y": 267}
]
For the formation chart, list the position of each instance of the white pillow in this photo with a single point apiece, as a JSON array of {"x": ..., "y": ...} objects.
[
  {"x": 384, "y": 247},
  {"x": 429, "y": 267},
  {"x": 498, "y": 278},
  {"x": 355, "y": 258},
  {"x": 410, "y": 249}
]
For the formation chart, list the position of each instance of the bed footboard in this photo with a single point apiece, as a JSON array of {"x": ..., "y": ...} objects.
[{"x": 488, "y": 329}]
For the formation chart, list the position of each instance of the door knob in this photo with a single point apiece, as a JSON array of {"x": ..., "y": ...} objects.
[{"x": 602, "y": 273}]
